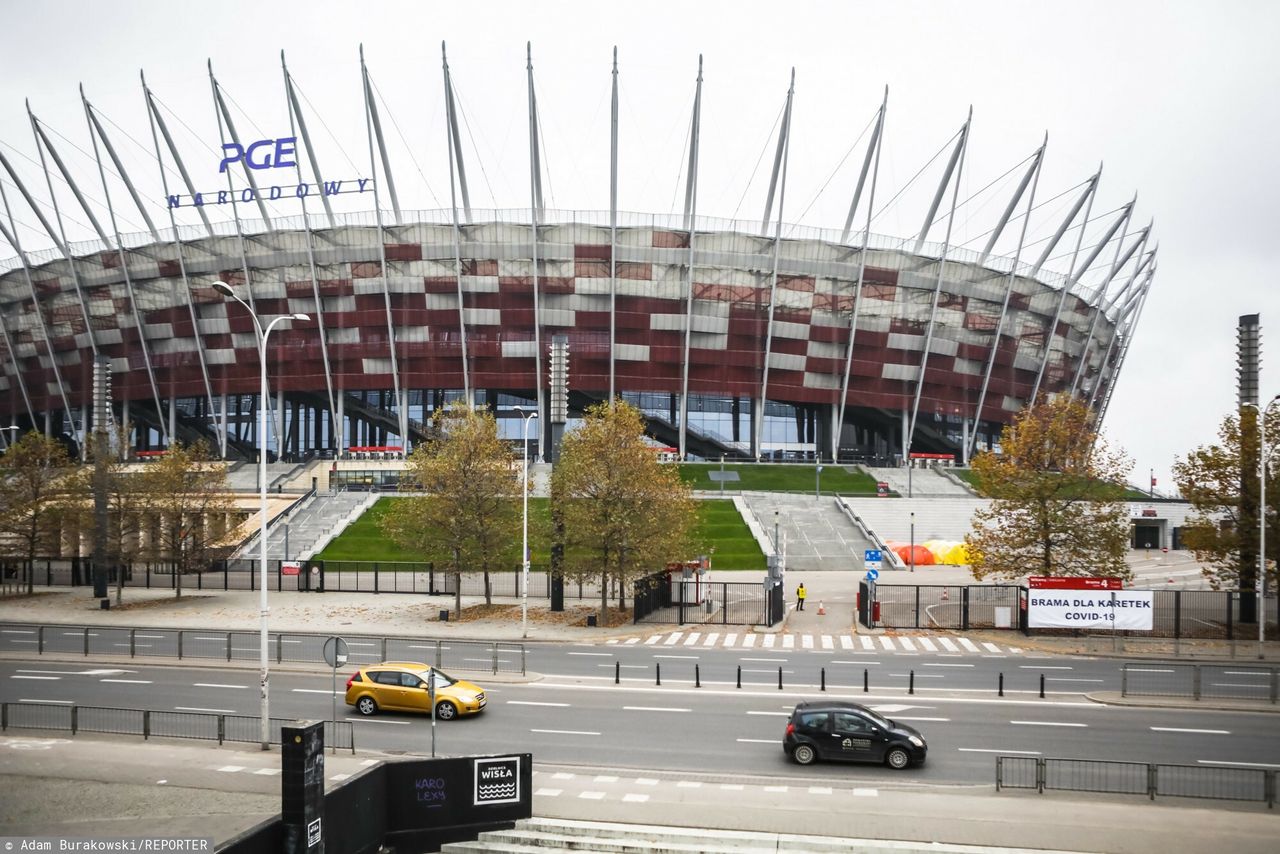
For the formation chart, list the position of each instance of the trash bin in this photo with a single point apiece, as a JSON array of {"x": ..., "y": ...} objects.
[
  {"x": 591, "y": 621},
  {"x": 444, "y": 616},
  {"x": 104, "y": 604}
]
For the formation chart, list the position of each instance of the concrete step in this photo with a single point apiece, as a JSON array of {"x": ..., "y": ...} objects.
[{"x": 537, "y": 834}]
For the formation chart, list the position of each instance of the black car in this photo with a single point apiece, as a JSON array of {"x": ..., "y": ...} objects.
[{"x": 850, "y": 732}]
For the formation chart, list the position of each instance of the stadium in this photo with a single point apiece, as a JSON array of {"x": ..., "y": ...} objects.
[{"x": 745, "y": 340}]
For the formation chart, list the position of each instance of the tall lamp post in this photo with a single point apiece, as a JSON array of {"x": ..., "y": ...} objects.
[
  {"x": 817, "y": 482},
  {"x": 225, "y": 289},
  {"x": 1263, "y": 462},
  {"x": 524, "y": 539}
]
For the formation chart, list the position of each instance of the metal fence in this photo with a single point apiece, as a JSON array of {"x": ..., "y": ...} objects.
[
  {"x": 148, "y": 723},
  {"x": 1200, "y": 681},
  {"x": 1213, "y": 782},
  {"x": 660, "y": 599},
  {"x": 489, "y": 656},
  {"x": 1198, "y": 614}
]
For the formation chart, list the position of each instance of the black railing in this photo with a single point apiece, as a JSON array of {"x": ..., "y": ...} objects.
[
  {"x": 658, "y": 599},
  {"x": 1200, "y": 681},
  {"x": 148, "y": 723},
  {"x": 481, "y": 656},
  {"x": 1213, "y": 782}
]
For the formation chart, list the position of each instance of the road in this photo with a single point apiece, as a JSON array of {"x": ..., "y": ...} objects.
[{"x": 576, "y": 714}]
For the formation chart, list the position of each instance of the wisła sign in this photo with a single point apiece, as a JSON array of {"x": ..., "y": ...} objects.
[{"x": 1124, "y": 610}]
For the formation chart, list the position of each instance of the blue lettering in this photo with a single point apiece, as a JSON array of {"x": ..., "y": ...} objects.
[
  {"x": 198, "y": 201},
  {"x": 246, "y": 195},
  {"x": 236, "y": 153},
  {"x": 362, "y": 182},
  {"x": 275, "y": 193},
  {"x": 248, "y": 155},
  {"x": 222, "y": 197},
  {"x": 175, "y": 201},
  {"x": 332, "y": 188},
  {"x": 302, "y": 190},
  {"x": 285, "y": 146}
]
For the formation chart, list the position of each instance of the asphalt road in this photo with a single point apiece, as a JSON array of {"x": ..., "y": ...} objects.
[{"x": 576, "y": 714}]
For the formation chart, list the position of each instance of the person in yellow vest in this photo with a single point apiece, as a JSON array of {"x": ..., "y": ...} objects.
[{"x": 800, "y": 594}]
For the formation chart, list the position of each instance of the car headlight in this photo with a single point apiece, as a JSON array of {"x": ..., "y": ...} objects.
[{"x": 916, "y": 740}]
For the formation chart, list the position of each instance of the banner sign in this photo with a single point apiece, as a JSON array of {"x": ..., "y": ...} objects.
[
  {"x": 1125, "y": 610},
  {"x": 1054, "y": 582}
]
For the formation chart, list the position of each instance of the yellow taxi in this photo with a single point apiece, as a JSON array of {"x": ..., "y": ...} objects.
[{"x": 406, "y": 686}]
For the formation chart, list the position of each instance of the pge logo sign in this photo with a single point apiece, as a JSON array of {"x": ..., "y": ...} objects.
[
  {"x": 263, "y": 154},
  {"x": 497, "y": 781}
]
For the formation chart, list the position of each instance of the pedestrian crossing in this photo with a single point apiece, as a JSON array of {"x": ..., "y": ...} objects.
[{"x": 899, "y": 644}]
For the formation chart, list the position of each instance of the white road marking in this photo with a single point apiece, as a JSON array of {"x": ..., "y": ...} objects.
[
  {"x": 990, "y": 647},
  {"x": 1196, "y": 731},
  {"x": 936, "y": 664},
  {"x": 218, "y": 685},
  {"x": 380, "y": 721},
  {"x": 769, "y": 641},
  {"x": 806, "y": 641},
  {"x": 210, "y": 711},
  {"x": 646, "y": 781},
  {"x": 1150, "y": 670},
  {"x": 748, "y": 641},
  {"x": 1047, "y": 723},
  {"x": 731, "y": 639},
  {"x": 231, "y": 769},
  {"x": 635, "y": 797},
  {"x": 533, "y": 703},
  {"x": 788, "y": 641},
  {"x": 692, "y": 638},
  {"x": 1068, "y": 679},
  {"x": 128, "y": 681},
  {"x": 1234, "y": 685},
  {"x": 940, "y": 720},
  {"x": 948, "y": 645},
  {"x": 986, "y": 750},
  {"x": 58, "y": 702},
  {"x": 267, "y": 772},
  {"x": 592, "y": 796},
  {"x": 779, "y": 714},
  {"x": 685, "y": 657},
  {"x": 604, "y": 654},
  {"x": 766, "y": 660},
  {"x": 631, "y": 641},
  {"x": 866, "y": 642},
  {"x": 1054, "y": 667},
  {"x": 1262, "y": 673},
  {"x": 38, "y": 678},
  {"x": 921, "y": 675},
  {"x": 866, "y": 793},
  {"x": 17, "y": 631},
  {"x": 968, "y": 645},
  {"x": 562, "y": 775},
  {"x": 711, "y": 639},
  {"x": 564, "y": 732},
  {"x": 886, "y": 642},
  {"x": 927, "y": 644},
  {"x": 907, "y": 644},
  {"x": 819, "y": 790},
  {"x": 1241, "y": 764},
  {"x": 652, "y": 640},
  {"x": 334, "y": 692},
  {"x": 846, "y": 642},
  {"x": 673, "y": 639},
  {"x": 759, "y": 741},
  {"x": 855, "y": 662},
  {"x": 653, "y": 709},
  {"x": 548, "y": 793}
]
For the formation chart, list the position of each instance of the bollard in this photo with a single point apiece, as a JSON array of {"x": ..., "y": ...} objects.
[
  {"x": 657, "y": 669},
  {"x": 865, "y": 689},
  {"x": 911, "y": 682},
  {"x": 739, "y": 675},
  {"x": 697, "y": 676},
  {"x": 824, "y": 679},
  {"x": 617, "y": 672},
  {"x": 1001, "y": 685},
  {"x": 1041, "y": 686},
  {"x": 779, "y": 678}
]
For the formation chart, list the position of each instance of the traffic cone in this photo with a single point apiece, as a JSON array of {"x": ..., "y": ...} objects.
[{"x": 821, "y": 610}]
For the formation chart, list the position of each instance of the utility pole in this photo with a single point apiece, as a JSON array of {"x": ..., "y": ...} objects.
[{"x": 101, "y": 475}]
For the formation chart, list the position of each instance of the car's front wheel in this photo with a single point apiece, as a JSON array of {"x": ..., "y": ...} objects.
[
  {"x": 446, "y": 711},
  {"x": 897, "y": 758},
  {"x": 366, "y": 706},
  {"x": 804, "y": 754}
]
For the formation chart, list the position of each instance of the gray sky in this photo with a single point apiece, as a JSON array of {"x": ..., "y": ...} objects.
[{"x": 1176, "y": 97}]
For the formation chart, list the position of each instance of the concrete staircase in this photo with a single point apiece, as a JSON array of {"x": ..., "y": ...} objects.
[
  {"x": 936, "y": 518},
  {"x": 817, "y": 532},
  {"x": 311, "y": 525},
  {"x": 537, "y": 834},
  {"x": 920, "y": 481},
  {"x": 243, "y": 477}
]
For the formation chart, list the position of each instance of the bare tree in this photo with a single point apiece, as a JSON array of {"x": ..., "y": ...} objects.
[{"x": 36, "y": 497}]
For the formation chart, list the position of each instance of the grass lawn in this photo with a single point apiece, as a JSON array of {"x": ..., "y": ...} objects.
[
  {"x": 967, "y": 475},
  {"x": 722, "y": 531},
  {"x": 780, "y": 477}
]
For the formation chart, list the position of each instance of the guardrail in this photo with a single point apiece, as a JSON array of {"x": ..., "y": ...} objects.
[
  {"x": 148, "y": 723},
  {"x": 1200, "y": 681},
  {"x": 1213, "y": 782},
  {"x": 479, "y": 656}
]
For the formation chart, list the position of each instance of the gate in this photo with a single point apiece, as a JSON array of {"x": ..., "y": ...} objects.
[{"x": 659, "y": 599}]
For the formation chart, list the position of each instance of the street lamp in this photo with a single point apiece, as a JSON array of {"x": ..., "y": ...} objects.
[
  {"x": 4, "y": 431},
  {"x": 524, "y": 549},
  {"x": 225, "y": 289},
  {"x": 1263, "y": 463},
  {"x": 911, "y": 553}
]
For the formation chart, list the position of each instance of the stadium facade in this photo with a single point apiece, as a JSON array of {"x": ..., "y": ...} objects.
[{"x": 750, "y": 340}]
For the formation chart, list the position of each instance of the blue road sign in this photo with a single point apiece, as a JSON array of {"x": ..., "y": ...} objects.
[
  {"x": 871, "y": 555},
  {"x": 873, "y": 574}
]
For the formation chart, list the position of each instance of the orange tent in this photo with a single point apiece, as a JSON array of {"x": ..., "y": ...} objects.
[{"x": 922, "y": 556}]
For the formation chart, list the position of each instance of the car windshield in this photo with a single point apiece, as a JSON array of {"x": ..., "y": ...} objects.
[
  {"x": 878, "y": 719},
  {"x": 439, "y": 678}
]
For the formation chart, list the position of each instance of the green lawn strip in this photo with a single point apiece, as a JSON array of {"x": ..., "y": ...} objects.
[
  {"x": 721, "y": 529},
  {"x": 1086, "y": 487},
  {"x": 779, "y": 477}
]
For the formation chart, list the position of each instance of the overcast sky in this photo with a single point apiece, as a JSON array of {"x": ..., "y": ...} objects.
[{"x": 1178, "y": 99}]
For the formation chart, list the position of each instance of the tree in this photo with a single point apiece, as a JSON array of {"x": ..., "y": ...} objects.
[
  {"x": 469, "y": 518},
  {"x": 1057, "y": 495},
  {"x": 625, "y": 514},
  {"x": 35, "y": 498},
  {"x": 189, "y": 507},
  {"x": 1223, "y": 532}
]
